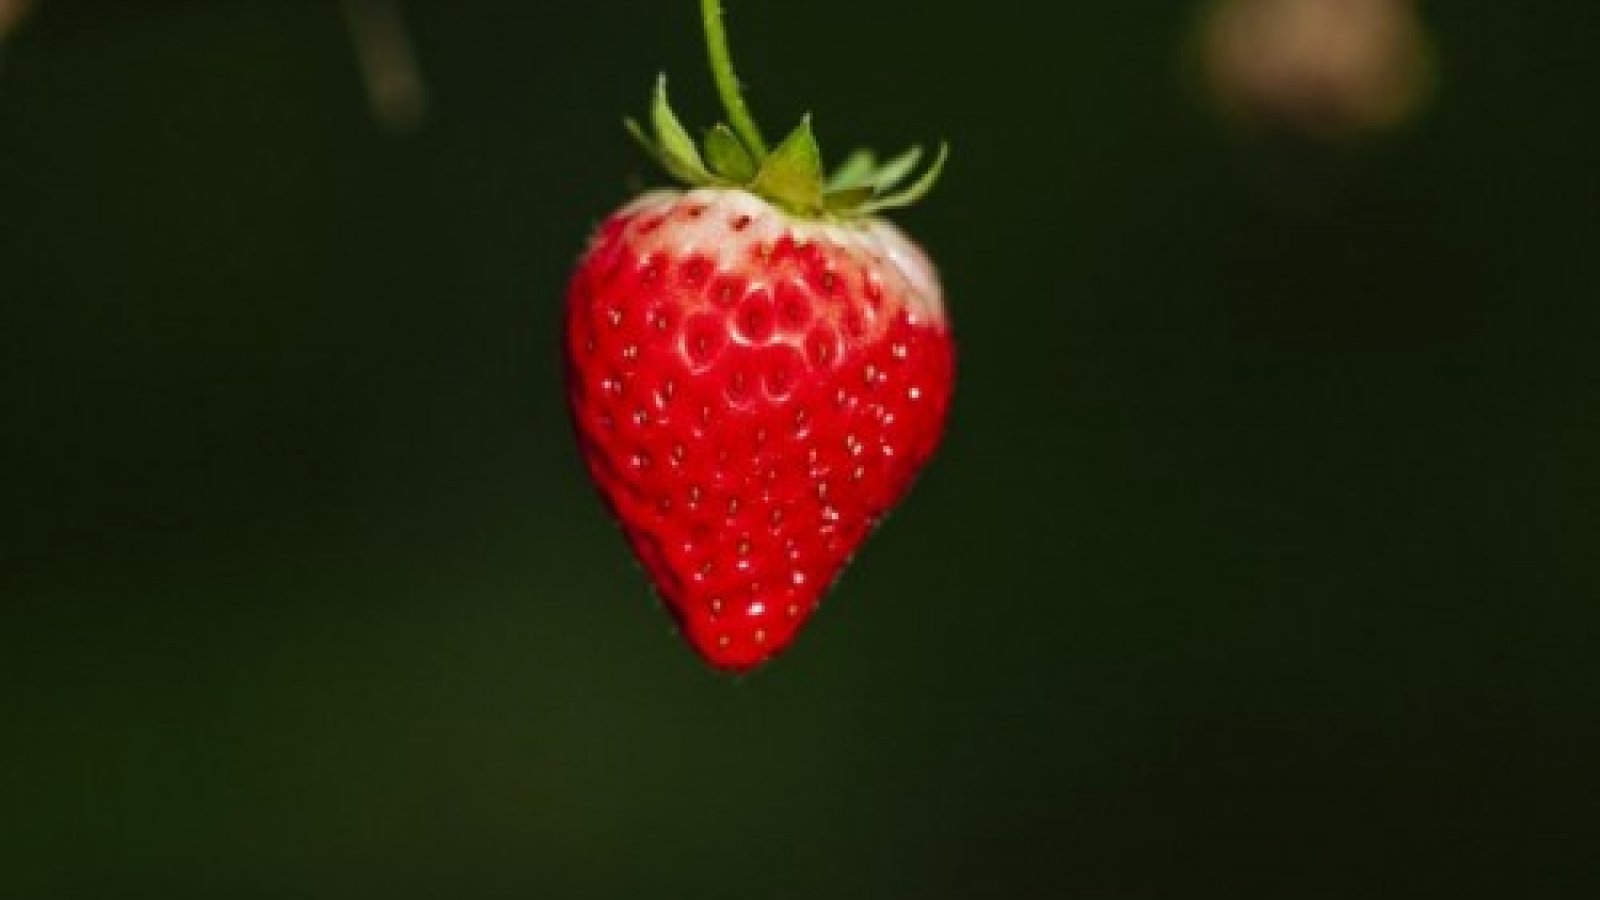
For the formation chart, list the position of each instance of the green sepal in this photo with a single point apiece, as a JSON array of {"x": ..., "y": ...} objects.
[
  {"x": 728, "y": 156},
  {"x": 916, "y": 191},
  {"x": 895, "y": 170},
  {"x": 648, "y": 144},
  {"x": 677, "y": 151},
  {"x": 855, "y": 171},
  {"x": 792, "y": 173},
  {"x": 848, "y": 200}
]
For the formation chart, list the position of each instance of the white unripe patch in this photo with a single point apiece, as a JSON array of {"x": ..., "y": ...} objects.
[{"x": 908, "y": 276}]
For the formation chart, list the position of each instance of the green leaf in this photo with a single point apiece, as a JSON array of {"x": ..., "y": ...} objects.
[
  {"x": 895, "y": 170},
  {"x": 728, "y": 156},
  {"x": 792, "y": 174},
  {"x": 677, "y": 149},
  {"x": 855, "y": 171},
  {"x": 917, "y": 190}
]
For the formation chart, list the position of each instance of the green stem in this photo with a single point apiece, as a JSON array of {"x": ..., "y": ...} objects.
[{"x": 728, "y": 81}]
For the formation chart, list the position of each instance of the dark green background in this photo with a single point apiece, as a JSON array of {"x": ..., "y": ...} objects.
[{"x": 1260, "y": 560}]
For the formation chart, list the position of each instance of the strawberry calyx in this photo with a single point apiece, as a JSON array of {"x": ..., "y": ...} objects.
[{"x": 792, "y": 174}]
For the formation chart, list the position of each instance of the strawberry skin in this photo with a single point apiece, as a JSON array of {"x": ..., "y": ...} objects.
[{"x": 752, "y": 391}]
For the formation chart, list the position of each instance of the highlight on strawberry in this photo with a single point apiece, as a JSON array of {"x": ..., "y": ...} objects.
[{"x": 757, "y": 367}]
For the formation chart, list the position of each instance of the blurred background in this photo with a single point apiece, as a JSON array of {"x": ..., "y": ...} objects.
[{"x": 1260, "y": 560}]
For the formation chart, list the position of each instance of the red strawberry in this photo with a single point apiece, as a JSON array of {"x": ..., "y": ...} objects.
[{"x": 757, "y": 369}]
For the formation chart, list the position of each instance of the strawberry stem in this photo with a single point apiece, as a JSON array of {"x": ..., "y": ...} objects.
[
  {"x": 728, "y": 81},
  {"x": 791, "y": 175}
]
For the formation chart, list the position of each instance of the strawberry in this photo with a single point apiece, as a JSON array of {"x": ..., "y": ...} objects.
[{"x": 757, "y": 368}]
